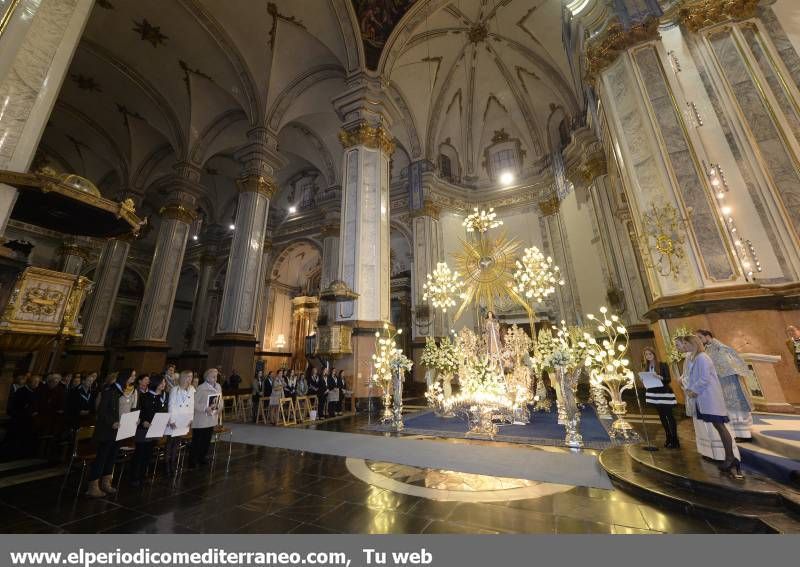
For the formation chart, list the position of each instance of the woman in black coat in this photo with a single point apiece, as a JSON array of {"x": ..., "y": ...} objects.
[
  {"x": 153, "y": 402},
  {"x": 105, "y": 434},
  {"x": 661, "y": 397}
]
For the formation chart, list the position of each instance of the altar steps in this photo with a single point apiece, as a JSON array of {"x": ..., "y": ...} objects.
[{"x": 683, "y": 481}]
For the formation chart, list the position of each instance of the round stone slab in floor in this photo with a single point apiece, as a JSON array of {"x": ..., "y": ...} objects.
[{"x": 449, "y": 485}]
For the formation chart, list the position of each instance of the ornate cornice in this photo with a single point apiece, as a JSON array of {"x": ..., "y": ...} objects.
[
  {"x": 373, "y": 137},
  {"x": 604, "y": 48},
  {"x": 256, "y": 184},
  {"x": 178, "y": 212},
  {"x": 695, "y": 15}
]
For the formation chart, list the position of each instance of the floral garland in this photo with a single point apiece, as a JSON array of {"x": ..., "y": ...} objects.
[{"x": 481, "y": 378}]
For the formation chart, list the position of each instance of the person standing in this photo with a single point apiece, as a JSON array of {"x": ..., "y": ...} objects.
[
  {"x": 181, "y": 407},
  {"x": 256, "y": 392},
  {"x": 234, "y": 381},
  {"x": 81, "y": 401},
  {"x": 341, "y": 386},
  {"x": 153, "y": 402},
  {"x": 704, "y": 396},
  {"x": 276, "y": 393},
  {"x": 206, "y": 416},
  {"x": 661, "y": 397},
  {"x": 290, "y": 391},
  {"x": 170, "y": 377},
  {"x": 316, "y": 387},
  {"x": 115, "y": 400},
  {"x": 732, "y": 372},
  {"x": 329, "y": 376}
]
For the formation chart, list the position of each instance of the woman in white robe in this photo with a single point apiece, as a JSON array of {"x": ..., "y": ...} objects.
[{"x": 706, "y": 404}]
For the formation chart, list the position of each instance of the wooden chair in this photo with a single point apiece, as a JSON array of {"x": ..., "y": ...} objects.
[
  {"x": 303, "y": 408},
  {"x": 263, "y": 410},
  {"x": 245, "y": 404},
  {"x": 230, "y": 407},
  {"x": 83, "y": 451},
  {"x": 288, "y": 413}
]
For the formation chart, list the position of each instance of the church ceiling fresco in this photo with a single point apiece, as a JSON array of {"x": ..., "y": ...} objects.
[{"x": 376, "y": 20}]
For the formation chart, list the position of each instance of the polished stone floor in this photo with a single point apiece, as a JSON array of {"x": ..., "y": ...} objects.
[{"x": 278, "y": 491}]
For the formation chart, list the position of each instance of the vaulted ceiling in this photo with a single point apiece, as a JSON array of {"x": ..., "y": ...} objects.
[{"x": 157, "y": 82}]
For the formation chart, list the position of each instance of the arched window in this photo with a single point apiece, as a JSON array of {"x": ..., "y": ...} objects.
[{"x": 445, "y": 168}]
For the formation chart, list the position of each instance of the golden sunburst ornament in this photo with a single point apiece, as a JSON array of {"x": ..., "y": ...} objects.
[{"x": 487, "y": 265}]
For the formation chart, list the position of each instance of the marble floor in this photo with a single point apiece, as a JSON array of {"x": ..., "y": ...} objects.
[{"x": 279, "y": 491}]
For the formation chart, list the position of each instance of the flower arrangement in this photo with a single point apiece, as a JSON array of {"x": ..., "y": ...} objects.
[
  {"x": 435, "y": 395},
  {"x": 442, "y": 357},
  {"x": 482, "y": 379},
  {"x": 560, "y": 357},
  {"x": 481, "y": 221}
]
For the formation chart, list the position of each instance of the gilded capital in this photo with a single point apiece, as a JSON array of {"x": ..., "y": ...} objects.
[
  {"x": 550, "y": 205},
  {"x": 70, "y": 249},
  {"x": 329, "y": 230},
  {"x": 373, "y": 137},
  {"x": 603, "y": 50},
  {"x": 177, "y": 211},
  {"x": 428, "y": 209},
  {"x": 695, "y": 15},
  {"x": 256, "y": 184}
]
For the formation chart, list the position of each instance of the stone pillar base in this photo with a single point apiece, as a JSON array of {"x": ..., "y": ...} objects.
[
  {"x": 233, "y": 351},
  {"x": 145, "y": 356},
  {"x": 358, "y": 365},
  {"x": 84, "y": 358}
]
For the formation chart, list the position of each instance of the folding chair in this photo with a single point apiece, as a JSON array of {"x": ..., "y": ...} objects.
[
  {"x": 245, "y": 404},
  {"x": 288, "y": 413},
  {"x": 303, "y": 408}
]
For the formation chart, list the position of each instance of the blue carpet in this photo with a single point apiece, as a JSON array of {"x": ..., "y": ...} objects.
[
  {"x": 544, "y": 429},
  {"x": 786, "y": 471},
  {"x": 782, "y": 434}
]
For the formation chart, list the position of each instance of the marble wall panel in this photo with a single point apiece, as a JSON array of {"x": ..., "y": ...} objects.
[
  {"x": 693, "y": 192},
  {"x": 782, "y": 43},
  {"x": 765, "y": 65},
  {"x": 778, "y": 160}
]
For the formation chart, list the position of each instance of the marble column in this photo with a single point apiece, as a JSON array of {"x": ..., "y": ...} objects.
[
  {"x": 89, "y": 352},
  {"x": 208, "y": 262},
  {"x": 554, "y": 240},
  {"x": 264, "y": 299},
  {"x": 73, "y": 257},
  {"x": 330, "y": 265},
  {"x": 428, "y": 251},
  {"x": 233, "y": 346},
  {"x": 364, "y": 263},
  {"x": 37, "y": 42},
  {"x": 148, "y": 347}
]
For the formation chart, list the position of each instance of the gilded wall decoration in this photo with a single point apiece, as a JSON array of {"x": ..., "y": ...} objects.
[
  {"x": 41, "y": 302},
  {"x": 603, "y": 50},
  {"x": 663, "y": 242},
  {"x": 699, "y": 14}
]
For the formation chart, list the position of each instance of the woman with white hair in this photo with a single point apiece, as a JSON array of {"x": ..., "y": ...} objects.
[
  {"x": 207, "y": 403},
  {"x": 181, "y": 409},
  {"x": 706, "y": 404}
]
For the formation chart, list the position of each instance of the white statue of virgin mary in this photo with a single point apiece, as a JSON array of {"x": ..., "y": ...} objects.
[{"x": 493, "y": 344}]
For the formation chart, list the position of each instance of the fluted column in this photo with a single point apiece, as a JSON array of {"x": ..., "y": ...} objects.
[
  {"x": 428, "y": 251},
  {"x": 37, "y": 41},
  {"x": 330, "y": 265},
  {"x": 233, "y": 346},
  {"x": 90, "y": 351},
  {"x": 200, "y": 308},
  {"x": 148, "y": 346},
  {"x": 556, "y": 244},
  {"x": 264, "y": 299},
  {"x": 73, "y": 257}
]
